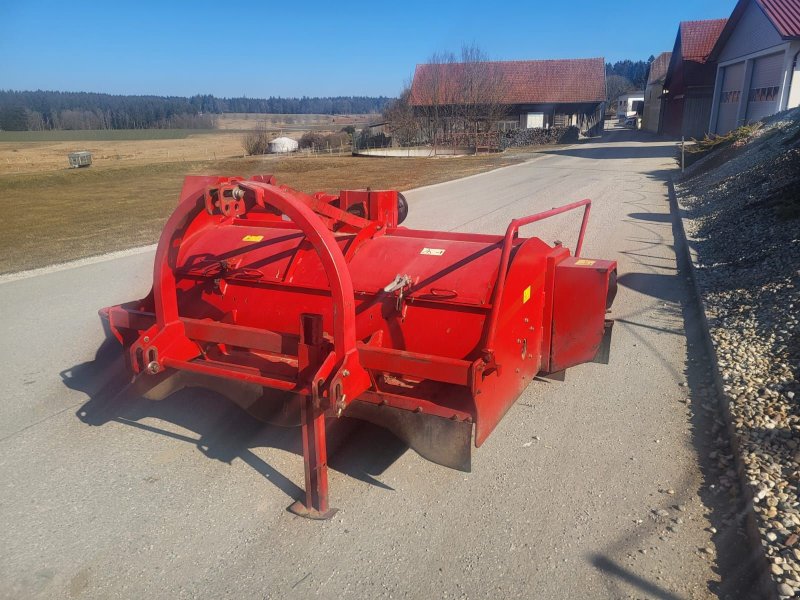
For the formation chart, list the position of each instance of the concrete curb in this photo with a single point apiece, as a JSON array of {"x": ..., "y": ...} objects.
[
  {"x": 688, "y": 256},
  {"x": 77, "y": 263}
]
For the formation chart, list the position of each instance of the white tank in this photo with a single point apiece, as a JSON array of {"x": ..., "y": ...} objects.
[{"x": 282, "y": 144}]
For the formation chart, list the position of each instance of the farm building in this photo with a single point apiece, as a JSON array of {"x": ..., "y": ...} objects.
[
  {"x": 653, "y": 93},
  {"x": 758, "y": 63},
  {"x": 529, "y": 93},
  {"x": 689, "y": 83},
  {"x": 629, "y": 104}
]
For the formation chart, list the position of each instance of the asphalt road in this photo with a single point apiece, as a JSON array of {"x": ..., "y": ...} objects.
[{"x": 186, "y": 497}]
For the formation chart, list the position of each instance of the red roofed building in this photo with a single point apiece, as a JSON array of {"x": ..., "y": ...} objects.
[
  {"x": 532, "y": 93},
  {"x": 689, "y": 82},
  {"x": 757, "y": 57},
  {"x": 654, "y": 92}
]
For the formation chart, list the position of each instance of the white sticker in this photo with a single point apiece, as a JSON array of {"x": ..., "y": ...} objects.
[{"x": 432, "y": 251}]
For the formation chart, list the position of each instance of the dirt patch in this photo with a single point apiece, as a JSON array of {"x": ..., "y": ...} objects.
[{"x": 63, "y": 215}]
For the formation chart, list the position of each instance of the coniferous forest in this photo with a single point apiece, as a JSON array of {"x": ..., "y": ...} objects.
[{"x": 47, "y": 110}]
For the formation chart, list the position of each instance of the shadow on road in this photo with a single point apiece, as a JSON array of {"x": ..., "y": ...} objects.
[
  {"x": 620, "y": 144},
  {"x": 652, "y": 217},
  {"x": 224, "y": 430},
  {"x": 613, "y": 569},
  {"x": 736, "y": 563},
  {"x": 608, "y": 152}
]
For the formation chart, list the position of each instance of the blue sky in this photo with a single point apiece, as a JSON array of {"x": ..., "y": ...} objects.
[{"x": 311, "y": 48}]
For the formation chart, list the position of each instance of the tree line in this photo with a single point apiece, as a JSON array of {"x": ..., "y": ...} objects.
[
  {"x": 626, "y": 76},
  {"x": 45, "y": 110}
]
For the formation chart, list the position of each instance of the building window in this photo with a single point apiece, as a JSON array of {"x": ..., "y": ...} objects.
[
  {"x": 764, "y": 94},
  {"x": 730, "y": 97},
  {"x": 534, "y": 120}
]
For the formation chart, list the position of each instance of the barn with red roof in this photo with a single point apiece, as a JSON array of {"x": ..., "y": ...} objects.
[
  {"x": 689, "y": 82},
  {"x": 533, "y": 93},
  {"x": 654, "y": 92}
]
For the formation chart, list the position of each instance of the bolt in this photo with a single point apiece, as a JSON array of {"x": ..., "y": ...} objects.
[
  {"x": 153, "y": 367},
  {"x": 146, "y": 339},
  {"x": 345, "y": 373}
]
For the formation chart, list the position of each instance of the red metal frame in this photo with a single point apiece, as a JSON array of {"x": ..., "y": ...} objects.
[
  {"x": 508, "y": 241},
  {"x": 390, "y": 350}
]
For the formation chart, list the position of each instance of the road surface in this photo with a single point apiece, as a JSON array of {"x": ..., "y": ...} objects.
[{"x": 186, "y": 497}]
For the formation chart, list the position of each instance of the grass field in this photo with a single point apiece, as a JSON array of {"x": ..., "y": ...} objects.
[
  {"x": 99, "y": 135},
  {"x": 56, "y": 216},
  {"x": 36, "y": 157},
  {"x": 36, "y": 151}
]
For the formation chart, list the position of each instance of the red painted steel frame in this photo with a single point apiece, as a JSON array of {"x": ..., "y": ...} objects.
[
  {"x": 332, "y": 375},
  {"x": 508, "y": 242},
  {"x": 167, "y": 346}
]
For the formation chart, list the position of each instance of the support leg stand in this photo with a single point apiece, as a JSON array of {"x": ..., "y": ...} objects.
[{"x": 316, "y": 466}]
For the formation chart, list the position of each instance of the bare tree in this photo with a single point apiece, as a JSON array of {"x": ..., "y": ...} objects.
[
  {"x": 402, "y": 121},
  {"x": 480, "y": 94},
  {"x": 459, "y": 101},
  {"x": 256, "y": 141},
  {"x": 616, "y": 85},
  {"x": 435, "y": 92}
]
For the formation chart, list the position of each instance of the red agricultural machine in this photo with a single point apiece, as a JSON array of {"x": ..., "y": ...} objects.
[{"x": 305, "y": 308}]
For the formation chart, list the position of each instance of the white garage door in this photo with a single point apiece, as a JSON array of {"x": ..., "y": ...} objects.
[
  {"x": 765, "y": 87},
  {"x": 730, "y": 94}
]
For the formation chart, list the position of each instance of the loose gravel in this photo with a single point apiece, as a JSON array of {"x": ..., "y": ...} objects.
[{"x": 743, "y": 227}]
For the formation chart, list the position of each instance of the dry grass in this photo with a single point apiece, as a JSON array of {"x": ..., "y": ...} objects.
[
  {"x": 63, "y": 215},
  {"x": 113, "y": 149},
  {"x": 35, "y": 157}
]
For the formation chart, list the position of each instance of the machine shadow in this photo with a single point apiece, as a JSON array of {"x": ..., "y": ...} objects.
[
  {"x": 611, "y": 568},
  {"x": 224, "y": 431}
]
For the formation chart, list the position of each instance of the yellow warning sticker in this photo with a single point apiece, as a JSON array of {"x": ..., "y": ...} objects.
[
  {"x": 526, "y": 295},
  {"x": 252, "y": 238},
  {"x": 584, "y": 262}
]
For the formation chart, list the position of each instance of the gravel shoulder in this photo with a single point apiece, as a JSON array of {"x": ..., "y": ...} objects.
[{"x": 742, "y": 220}]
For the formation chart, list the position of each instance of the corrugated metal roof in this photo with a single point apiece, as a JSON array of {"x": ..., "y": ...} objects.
[
  {"x": 658, "y": 68},
  {"x": 784, "y": 14},
  {"x": 698, "y": 38},
  {"x": 517, "y": 82}
]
